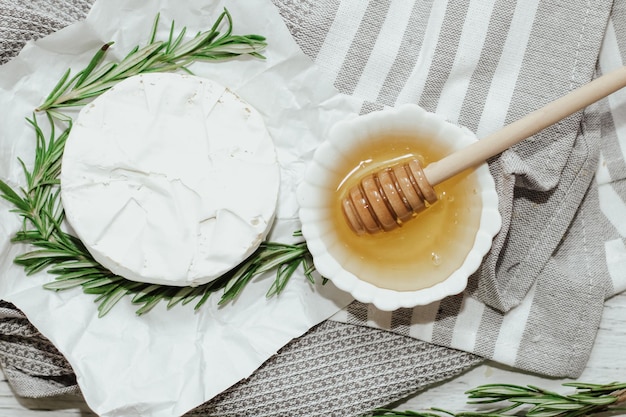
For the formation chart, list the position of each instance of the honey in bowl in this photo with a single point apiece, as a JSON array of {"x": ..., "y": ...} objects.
[{"x": 426, "y": 249}]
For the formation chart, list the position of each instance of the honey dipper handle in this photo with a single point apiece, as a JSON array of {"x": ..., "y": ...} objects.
[{"x": 525, "y": 127}]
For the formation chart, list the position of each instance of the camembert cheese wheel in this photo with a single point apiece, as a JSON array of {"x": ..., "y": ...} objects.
[{"x": 170, "y": 179}]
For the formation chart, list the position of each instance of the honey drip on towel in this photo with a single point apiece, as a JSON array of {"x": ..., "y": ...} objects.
[{"x": 423, "y": 251}]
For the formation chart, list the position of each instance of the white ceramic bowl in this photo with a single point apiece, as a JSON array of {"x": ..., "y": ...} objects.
[{"x": 315, "y": 191}]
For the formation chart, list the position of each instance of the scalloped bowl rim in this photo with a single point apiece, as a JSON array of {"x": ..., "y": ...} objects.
[{"x": 382, "y": 298}]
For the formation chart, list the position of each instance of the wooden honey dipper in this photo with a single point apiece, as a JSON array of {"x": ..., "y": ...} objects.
[{"x": 387, "y": 198}]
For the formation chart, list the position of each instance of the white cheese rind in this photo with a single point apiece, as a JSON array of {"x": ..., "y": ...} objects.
[{"x": 170, "y": 179}]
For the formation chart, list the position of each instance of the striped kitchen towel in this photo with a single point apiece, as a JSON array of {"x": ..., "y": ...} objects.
[{"x": 537, "y": 299}]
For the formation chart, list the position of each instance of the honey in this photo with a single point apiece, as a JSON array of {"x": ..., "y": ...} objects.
[{"x": 424, "y": 250}]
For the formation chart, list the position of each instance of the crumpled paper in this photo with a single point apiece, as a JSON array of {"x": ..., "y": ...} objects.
[{"x": 167, "y": 362}]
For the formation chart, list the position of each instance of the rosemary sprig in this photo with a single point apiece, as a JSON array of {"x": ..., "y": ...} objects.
[
  {"x": 157, "y": 56},
  {"x": 39, "y": 204},
  {"x": 532, "y": 401}
]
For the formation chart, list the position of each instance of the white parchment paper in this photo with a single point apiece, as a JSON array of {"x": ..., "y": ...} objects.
[{"x": 167, "y": 362}]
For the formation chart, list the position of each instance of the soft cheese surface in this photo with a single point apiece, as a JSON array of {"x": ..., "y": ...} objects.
[{"x": 170, "y": 179}]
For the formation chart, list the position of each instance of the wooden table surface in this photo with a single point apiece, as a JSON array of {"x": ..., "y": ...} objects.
[{"x": 606, "y": 364}]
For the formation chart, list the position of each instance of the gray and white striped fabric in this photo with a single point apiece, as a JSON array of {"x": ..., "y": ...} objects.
[
  {"x": 482, "y": 64},
  {"x": 536, "y": 301}
]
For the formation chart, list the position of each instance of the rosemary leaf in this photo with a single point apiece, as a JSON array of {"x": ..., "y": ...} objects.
[
  {"x": 98, "y": 73},
  {"x": 285, "y": 271},
  {"x": 195, "y": 293},
  {"x": 101, "y": 282},
  {"x": 90, "y": 273},
  {"x": 95, "y": 61},
  {"x": 179, "y": 296},
  {"x": 155, "y": 26},
  {"x": 551, "y": 413},
  {"x": 173, "y": 44},
  {"x": 42, "y": 254},
  {"x": 67, "y": 283},
  {"x": 189, "y": 47},
  {"x": 236, "y": 284},
  {"x": 110, "y": 300},
  {"x": 280, "y": 257},
  {"x": 59, "y": 86},
  {"x": 309, "y": 268},
  {"x": 64, "y": 87},
  {"x": 145, "y": 293},
  {"x": 203, "y": 300},
  {"x": 12, "y": 197},
  {"x": 150, "y": 303},
  {"x": 34, "y": 266},
  {"x": 500, "y": 390},
  {"x": 94, "y": 289},
  {"x": 26, "y": 236},
  {"x": 135, "y": 59},
  {"x": 585, "y": 399},
  {"x": 59, "y": 116}
]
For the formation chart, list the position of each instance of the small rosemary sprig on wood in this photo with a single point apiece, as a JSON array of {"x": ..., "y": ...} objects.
[
  {"x": 157, "y": 56},
  {"x": 39, "y": 204},
  {"x": 533, "y": 401}
]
